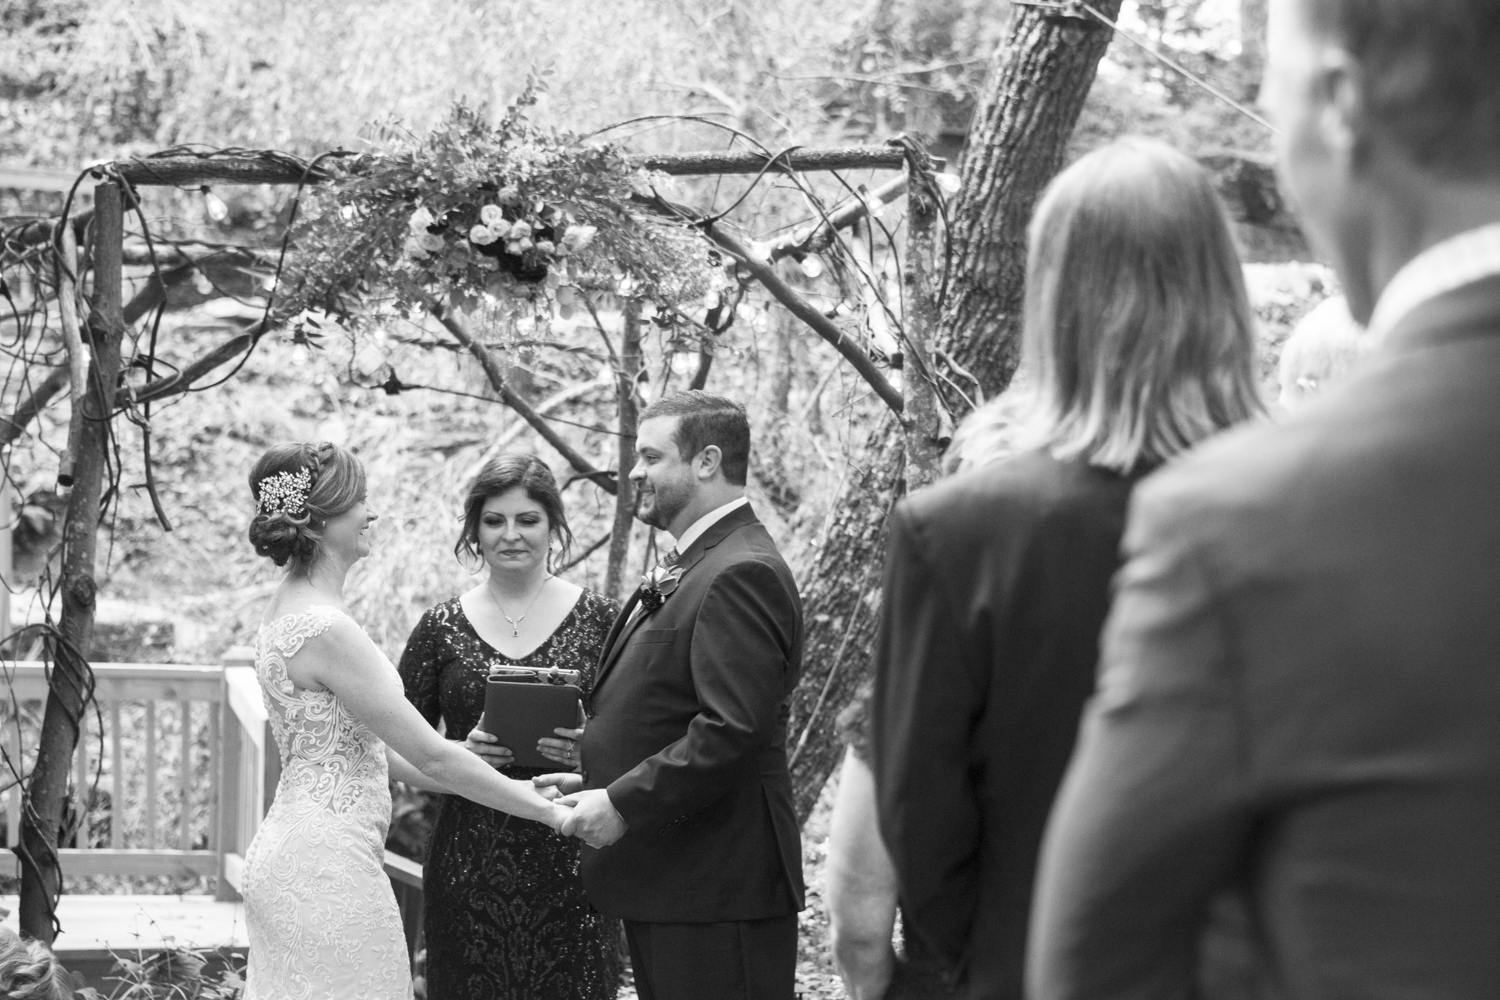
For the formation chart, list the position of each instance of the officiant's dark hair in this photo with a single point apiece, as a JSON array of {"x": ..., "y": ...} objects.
[
  {"x": 500, "y": 475},
  {"x": 336, "y": 483},
  {"x": 704, "y": 419}
]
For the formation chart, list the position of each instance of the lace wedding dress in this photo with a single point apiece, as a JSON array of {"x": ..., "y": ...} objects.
[{"x": 320, "y": 911}]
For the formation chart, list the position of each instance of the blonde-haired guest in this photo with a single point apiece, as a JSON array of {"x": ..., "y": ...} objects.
[
  {"x": 1325, "y": 345},
  {"x": 1137, "y": 344},
  {"x": 29, "y": 970}
]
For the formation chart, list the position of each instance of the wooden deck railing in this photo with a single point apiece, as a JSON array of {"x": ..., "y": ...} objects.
[{"x": 187, "y": 771}]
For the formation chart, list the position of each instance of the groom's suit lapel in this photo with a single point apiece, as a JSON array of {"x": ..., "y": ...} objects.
[{"x": 625, "y": 625}]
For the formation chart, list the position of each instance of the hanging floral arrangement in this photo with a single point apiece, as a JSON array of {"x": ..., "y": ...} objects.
[{"x": 499, "y": 217}]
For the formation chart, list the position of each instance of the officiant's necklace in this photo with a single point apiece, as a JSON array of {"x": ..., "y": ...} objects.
[{"x": 515, "y": 623}]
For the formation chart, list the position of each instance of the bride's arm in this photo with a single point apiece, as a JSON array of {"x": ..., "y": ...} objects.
[
  {"x": 406, "y": 772},
  {"x": 346, "y": 662}
]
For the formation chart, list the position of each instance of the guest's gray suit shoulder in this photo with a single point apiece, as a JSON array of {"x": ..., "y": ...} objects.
[{"x": 1300, "y": 668}]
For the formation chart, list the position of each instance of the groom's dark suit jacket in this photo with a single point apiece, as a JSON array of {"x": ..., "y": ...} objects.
[{"x": 687, "y": 731}]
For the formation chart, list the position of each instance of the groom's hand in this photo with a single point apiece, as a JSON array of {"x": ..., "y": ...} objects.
[
  {"x": 594, "y": 819},
  {"x": 554, "y": 786}
]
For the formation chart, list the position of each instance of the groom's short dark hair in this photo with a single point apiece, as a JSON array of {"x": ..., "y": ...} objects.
[
  {"x": 704, "y": 419},
  {"x": 1431, "y": 76}
]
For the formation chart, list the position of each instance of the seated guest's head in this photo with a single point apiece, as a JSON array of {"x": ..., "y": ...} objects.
[
  {"x": 513, "y": 516},
  {"x": 1138, "y": 338},
  {"x": 29, "y": 971},
  {"x": 1389, "y": 120},
  {"x": 309, "y": 505},
  {"x": 1325, "y": 345},
  {"x": 693, "y": 454}
]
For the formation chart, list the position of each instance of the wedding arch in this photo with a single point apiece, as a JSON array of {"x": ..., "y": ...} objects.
[{"x": 955, "y": 338}]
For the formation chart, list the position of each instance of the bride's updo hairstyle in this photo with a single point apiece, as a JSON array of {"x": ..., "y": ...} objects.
[
  {"x": 297, "y": 487},
  {"x": 499, "y": 476}
]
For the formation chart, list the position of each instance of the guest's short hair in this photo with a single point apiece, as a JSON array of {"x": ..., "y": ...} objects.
[
  {"x": 337, "y": 484},
  {"x": 500, "y": 475},
  {"x": 704, "y": 419},
  {"x": 29, "y": 971},
  {"x": 1138, "y": 337},
  {"x": 1430, "y": 70}
]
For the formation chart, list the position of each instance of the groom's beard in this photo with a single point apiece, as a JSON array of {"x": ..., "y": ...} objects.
[{"x": 658, "y": 507}]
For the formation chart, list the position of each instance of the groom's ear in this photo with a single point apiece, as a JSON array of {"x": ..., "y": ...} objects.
[{"x": 710, "y": 461}]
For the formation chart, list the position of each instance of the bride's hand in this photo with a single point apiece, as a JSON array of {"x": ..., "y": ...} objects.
[
  {"x": 559, "y": 815},
  {"x": 553, "y": 786},
  {"x": 488, "y": 747}
]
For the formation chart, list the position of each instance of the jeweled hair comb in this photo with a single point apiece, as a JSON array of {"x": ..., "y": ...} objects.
[{"x": 284, "y": 493}]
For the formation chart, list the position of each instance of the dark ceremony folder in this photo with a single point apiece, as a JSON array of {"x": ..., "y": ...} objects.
[{"x": 521, "y": 706}]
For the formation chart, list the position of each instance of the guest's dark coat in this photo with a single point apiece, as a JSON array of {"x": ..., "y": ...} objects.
[
  {"x": 997, "y": 583},
  {"x": 688, "y": 733},
  {"x": 1300, "y": 691}
]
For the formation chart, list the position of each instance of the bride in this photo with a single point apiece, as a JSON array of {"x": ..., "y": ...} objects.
[{"x": 319, "y": 908}]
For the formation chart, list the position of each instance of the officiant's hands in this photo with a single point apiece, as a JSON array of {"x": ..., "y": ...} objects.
[
  {"x": 563, "y": 749},
  {"x": 594, "y": 819},
  {"x": 488, "y": 747},
  {"x": 555, "y": 786}
]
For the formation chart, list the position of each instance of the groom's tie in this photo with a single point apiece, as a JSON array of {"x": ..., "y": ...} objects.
[{"x": 671, "y": 558}]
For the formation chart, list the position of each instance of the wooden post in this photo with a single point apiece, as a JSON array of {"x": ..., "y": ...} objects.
[
  {"x": 7, "y": 557},
  {"x": 923, "y": 416},
  {"x": 625, "y": 386},
  {"x": 68, "y": 691},
  {"x": 228, "y": 793}
]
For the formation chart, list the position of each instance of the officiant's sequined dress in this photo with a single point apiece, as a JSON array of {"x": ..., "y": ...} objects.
[{"x": 503, "y": 910}]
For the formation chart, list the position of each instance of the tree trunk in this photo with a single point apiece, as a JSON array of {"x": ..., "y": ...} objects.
[
  {"x": 71, "y": 681},
  {"x": 1036, "y": 89},
  {"x": 625, "y": 382}
]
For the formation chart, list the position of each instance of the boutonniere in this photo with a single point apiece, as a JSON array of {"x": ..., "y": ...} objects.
[{"x": 658, "y": 585}]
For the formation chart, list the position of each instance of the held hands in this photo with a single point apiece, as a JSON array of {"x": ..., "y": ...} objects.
[{"x": 593, "y": 819}]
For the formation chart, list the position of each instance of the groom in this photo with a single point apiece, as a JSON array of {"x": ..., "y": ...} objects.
[{"x": 687, "y": 808}]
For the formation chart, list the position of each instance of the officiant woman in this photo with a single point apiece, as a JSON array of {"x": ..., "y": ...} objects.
[{"x": 504, "y": 911}]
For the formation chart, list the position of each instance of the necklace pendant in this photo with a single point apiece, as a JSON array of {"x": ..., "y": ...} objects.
[{"x": 515, "y": 631}]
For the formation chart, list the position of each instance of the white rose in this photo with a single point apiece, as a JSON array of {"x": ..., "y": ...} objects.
[
  {"x": 482, "y": 235},
  {"x": 520, "y": 229},
  {"x": 413, "y": 249},
  {"x": 579, "y": 237},
  {"x": 431, "y": 242},
  {"x": 513, "y": 247},
  {"x": 546, "y": 246},
  {"x": 509, "y": 195},
  {"x": 419, "y": 221},
  {"x": 491, "y": 215}
]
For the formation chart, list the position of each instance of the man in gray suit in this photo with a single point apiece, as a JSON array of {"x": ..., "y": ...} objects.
[{"x": 1300, "y": 684}]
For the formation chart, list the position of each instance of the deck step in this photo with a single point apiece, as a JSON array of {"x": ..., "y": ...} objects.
[{"x": 96, "y": 927}]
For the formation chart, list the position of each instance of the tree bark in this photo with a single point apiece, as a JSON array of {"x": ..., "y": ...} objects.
[
  {"x": 625, "y": 381},
  {"x": 926, "y": 433},
  {"x": 281, "y": 168},
  {"x": 71, "y": 681},
  {"x": 1036, "y": 89}
]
